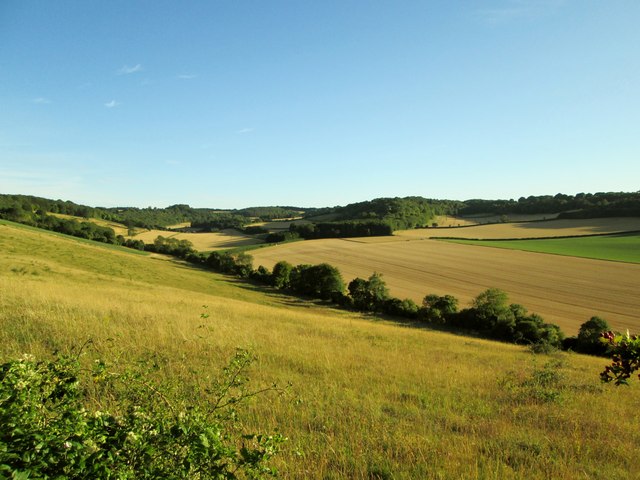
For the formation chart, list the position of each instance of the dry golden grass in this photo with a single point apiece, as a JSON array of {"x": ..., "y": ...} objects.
[
  {"x": 551, "y": 228},
  {"x": 454, "y": 221},
  {"x": 203, "y": 242},
  {"x": 564, "y": 290},
  {"x": 179, "y": 225},
  {"x": 369, "y": 399},
  {"x": 280, "y": 224}
]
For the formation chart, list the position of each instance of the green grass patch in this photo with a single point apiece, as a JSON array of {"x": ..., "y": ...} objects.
[{"x": 619, "y": 247}]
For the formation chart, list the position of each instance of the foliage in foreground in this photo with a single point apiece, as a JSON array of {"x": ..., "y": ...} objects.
[
  {"x": 47, "y": 431},
  {"x": 625, "y": 356}
]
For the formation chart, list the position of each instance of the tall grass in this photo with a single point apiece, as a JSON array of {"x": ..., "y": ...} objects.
[{"x": 369, "y": 399}]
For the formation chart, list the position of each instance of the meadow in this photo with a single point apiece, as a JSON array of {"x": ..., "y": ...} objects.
[
  {"x": 620, "y": 248},
  {"x": 564, "y": 290},
  {"x": 369, "y": 398}
]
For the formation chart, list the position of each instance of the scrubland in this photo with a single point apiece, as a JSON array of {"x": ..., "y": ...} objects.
[{"x": 369, "y": 398}]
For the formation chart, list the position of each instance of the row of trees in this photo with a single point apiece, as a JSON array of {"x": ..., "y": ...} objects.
[
  {"x": 351, "y": 228},
  {"x": 377, "y": 217},
  {"x": 88, "y": 230},
  {"x": 490, "y": 314},
  {"x": 581, "y": 205}
]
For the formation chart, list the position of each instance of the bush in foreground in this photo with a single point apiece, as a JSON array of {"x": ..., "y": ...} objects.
[
  {"x": 625, "y": 357},
  {"x": 47, "y": 432}
]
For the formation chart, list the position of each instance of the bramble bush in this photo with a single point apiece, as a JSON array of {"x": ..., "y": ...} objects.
[
  {"x": 46, "y": 430},
  {"x": 625, "y": 356}
]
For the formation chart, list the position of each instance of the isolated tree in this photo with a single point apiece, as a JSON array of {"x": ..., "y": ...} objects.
[
  {"x": 436, "y": 309},
  {"x": 321, "y": 281},
  {"x": 326, "y": 280},
  {"x": 369, "y": 295},
  {"x": 358, "y": 289},
  {"x": 489, "y": 306},
  {"x": 281, "y": 274},
  {"x": 588, "y": 340},
  {"x": 401, "y": 308},
  {"x": 378, "y": 291},
  {"x": 243, "y": 264},
  {"x": 492, "y": 313}
]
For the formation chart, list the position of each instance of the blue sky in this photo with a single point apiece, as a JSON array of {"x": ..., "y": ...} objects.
[{"x": 235, "y": 103}]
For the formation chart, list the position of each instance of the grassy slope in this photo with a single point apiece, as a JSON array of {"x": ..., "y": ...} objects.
[
  {"x": 369, "y": 399},
  {"x": 622, "y": 248}
]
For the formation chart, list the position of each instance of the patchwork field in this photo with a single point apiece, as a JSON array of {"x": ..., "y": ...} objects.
[
  {"x": 564, "y": 290},
  {"x": 369, "y": 399},
  {"x": 551, "y": 228}
]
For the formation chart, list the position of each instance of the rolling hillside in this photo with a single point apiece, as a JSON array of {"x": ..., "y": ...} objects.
[{"x": 369, "y": 399}]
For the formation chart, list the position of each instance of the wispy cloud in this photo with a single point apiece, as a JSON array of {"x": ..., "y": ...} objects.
[
  {"x": 56, "y": 184},
  {"x": 127, "y": 70},
  {"x": 187, "y": 76},
  {"x": 41, "y": 101},
  {"x": 511, "y": 10},
  {"x": 112, "y": 104},
  {"x": 244, "y": 130}
]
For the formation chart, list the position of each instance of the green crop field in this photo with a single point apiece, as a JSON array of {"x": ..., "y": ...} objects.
[
  {"x": 620, "y": 248},
  {"x": 368, "y": 398}
]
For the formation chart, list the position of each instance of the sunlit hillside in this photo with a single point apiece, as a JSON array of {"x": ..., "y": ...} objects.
[{"x": 369, "y": 398}]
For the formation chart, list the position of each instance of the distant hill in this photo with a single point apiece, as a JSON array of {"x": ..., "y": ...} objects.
[{"x": 380, "y": 216}]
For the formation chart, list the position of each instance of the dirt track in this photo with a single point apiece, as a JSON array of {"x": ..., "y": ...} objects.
[{"x": 564, "y": 290}]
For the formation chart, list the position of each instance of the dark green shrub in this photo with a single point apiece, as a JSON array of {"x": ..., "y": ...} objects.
[{"x": 48, "y": 432}]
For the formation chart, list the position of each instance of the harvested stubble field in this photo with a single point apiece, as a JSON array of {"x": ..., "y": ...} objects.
[
  {"x": 203, "y": 242},
  {"x": 455, "y": 221},
  {"x": 280, "y": 225},
  {"x": 369, "y": 399},
  {"x": 564, "y": 290},
  {"x": 550, "y": 228}
]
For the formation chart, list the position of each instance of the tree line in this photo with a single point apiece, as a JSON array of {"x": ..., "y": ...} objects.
[
  {"x": 490, "y": 315},
  {"x": 581, "y": 205}
]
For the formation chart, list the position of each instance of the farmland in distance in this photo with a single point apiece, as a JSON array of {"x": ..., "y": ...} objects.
[
  {"x": 564, "y": 290},
  {"x": 530, "y": 229},
  {"x": 620, "y": 247}
]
